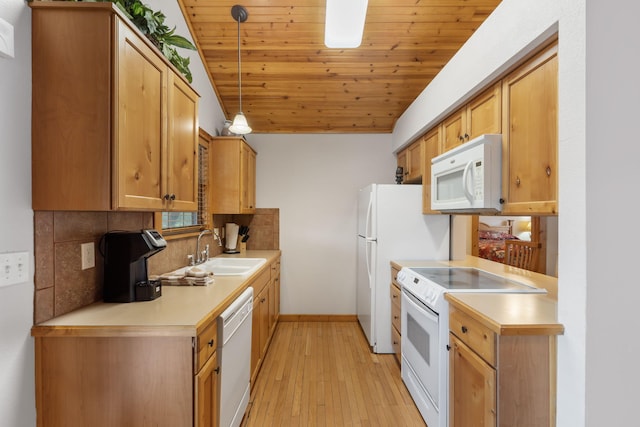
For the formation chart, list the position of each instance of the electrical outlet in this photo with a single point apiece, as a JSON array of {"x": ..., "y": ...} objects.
[
  {"x": 14, "y": 268},
  {"x": 88, "y": 255}
]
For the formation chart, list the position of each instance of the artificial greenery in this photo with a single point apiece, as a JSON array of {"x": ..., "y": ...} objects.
[{"x": 151, "y": 24}]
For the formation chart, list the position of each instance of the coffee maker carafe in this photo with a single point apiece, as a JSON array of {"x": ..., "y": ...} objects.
[{"x": 125, "y": 265}]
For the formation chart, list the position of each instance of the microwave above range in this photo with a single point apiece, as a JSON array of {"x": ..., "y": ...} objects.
[{"x": 468, "y": 178}]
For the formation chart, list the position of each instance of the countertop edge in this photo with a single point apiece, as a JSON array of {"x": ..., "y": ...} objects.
[{"x": 512, "y": 329}]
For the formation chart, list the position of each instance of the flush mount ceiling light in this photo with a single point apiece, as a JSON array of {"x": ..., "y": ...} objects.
[
  {"x": 239, "y": 125},
  {"x": 344, "y": 23}
]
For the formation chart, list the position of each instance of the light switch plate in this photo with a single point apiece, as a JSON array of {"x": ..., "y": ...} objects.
[
  {"x": 6, "y": 39},
  {"x": 88, "y": 255},
  {"x": 14, "y": 268}
]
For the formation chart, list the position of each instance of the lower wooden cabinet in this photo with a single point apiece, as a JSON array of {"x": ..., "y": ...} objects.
[
  {"x": 207, "y": 396},
  {"x": 266, "y": 310},
  {"x": 395, "y": 315},
  {"x": 106, "y": 381},
  {"x": 499, "y": 380},
  {"x": 472, "y": 387}
]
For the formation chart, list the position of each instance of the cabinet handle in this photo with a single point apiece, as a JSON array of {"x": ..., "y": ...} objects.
[
  {"x": 461, "y": 138},
  {"x": 501, "y": 201},
  {"x": 396, "y": 317},
  {"x": 466, "y": 136},
  {"x": 464, "y": 329},
  {"x": 172, "y": 197},
  {"x": 548, "y": 170},
  {"x": 448, "y": 347},
  {"x": 166, "y": 196},
  {"x": 217, "y": 370},
  {"x": 210, "y": 343},
  {"x": 518, "y": 181},
  {"x": 263, "y": 299}
]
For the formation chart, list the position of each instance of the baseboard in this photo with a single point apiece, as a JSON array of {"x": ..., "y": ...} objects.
[{"x": 318, "y": 318}]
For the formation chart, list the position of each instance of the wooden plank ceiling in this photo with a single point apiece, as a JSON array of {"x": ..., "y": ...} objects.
[{"x": 292, "y": 83}]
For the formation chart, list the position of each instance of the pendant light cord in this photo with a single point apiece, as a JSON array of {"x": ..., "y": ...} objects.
[{"x": 239, "y": 67}]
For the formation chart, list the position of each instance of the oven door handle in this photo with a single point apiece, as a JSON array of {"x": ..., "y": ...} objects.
[{"x": 417, "y": 305}]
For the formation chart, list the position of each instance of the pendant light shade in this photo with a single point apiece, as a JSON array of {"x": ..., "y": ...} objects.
[{"x": 239, "y": 125}]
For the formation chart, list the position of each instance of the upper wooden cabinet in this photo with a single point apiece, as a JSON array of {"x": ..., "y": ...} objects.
[
  {"x": 114, "y": 125},
  {"x": 411, "y": 160},
  {"x": 530, "y": 137},
  {"x": 481, "y": 115},
  {"x": 431, "y": 148},
  {"x": 232, "y": 176}
]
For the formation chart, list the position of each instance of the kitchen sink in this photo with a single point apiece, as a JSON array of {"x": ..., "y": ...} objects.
[
  {"x": 232, "y": 266},
  {"x": 221, "y": 266}
]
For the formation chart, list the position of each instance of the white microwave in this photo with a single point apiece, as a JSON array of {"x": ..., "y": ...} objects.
[{"x": 468, "y": 178}]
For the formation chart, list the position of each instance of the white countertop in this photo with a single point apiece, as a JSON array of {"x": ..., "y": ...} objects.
[{"x": 180, "y": 310}]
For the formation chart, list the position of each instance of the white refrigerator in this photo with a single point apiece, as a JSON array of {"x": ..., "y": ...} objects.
[{"x": 391, "y": 226}]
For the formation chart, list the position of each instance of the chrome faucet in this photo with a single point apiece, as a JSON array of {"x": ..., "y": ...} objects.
[
  {"x": 201, "y": 257},
  {"x": 217, "y": 236}
]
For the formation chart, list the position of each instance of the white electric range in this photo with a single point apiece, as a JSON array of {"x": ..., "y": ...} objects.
[{"x": 425, "y": 329}]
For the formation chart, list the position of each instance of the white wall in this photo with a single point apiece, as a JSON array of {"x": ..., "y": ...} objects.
[
  {"x": 613, "y": 291},
  {"x": 17, "y": 383},
  {"x": 314, "y": 180},
  {"x": 598, "y": 286}
]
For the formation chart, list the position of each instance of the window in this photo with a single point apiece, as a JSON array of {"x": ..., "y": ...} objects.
[{"x": 187, "y": 222}]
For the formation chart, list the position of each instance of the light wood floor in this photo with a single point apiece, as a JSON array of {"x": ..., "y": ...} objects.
[{"x": 323, "y": 374}]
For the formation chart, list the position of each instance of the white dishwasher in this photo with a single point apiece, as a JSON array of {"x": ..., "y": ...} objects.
[{"x": 234, "y": 350}]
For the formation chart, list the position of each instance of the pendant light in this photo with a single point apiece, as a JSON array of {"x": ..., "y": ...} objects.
[{"x": 239, "y": 125}]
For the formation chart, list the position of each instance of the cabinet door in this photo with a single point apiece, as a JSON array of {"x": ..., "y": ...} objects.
[
  {"x": 431, "y": 146},
  {"x": 415, "y": 159},
  {"x": 264, "y": 298},
  {"x": 484, "y": 112},
  {"x": 140, "y": 124},
  {"x": 403, "y": 162},
  {"x": 530, "y": 137},
  {"x": 277, "y": 298},
  {"x": 256, "y": 350},
  {"x": 248, "y": 180},
  {"x": 454, "y": 129},
  {"x": 472, "y": 388},
  {"x": 182, "y": 146},
  {"x": 207, "y": 399}
]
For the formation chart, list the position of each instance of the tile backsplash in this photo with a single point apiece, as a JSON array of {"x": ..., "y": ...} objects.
[{"x": 62, "y": 286}]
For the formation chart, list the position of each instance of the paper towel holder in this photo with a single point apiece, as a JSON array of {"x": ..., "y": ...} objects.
[{"x": 231, "y": 238}]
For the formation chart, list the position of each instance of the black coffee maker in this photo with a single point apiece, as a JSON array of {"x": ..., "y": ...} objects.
[{"x": 125, "y": 265}]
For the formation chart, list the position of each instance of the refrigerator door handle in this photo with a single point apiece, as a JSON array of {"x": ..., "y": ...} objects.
[
  {"x": 367, "y": 255},
  {"x": 367, "y": 229}
]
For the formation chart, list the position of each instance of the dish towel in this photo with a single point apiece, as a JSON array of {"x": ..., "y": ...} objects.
[{"x": 192, "y": 276}]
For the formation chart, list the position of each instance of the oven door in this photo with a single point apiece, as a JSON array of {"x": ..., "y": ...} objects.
[{"x": 420, "y": 343}]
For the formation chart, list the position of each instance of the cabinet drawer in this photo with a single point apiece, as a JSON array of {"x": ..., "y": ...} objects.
[
  {"x": 396, "y": 343},
  {"x": 395, "y": 307},
  {"x": 275, "y": 269},
  {"x": 207, "y": 343},
  {"x": 394, "y": 276},
  {"x": 395, "y": 295},
  {"x": 478, "y": 337}
]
